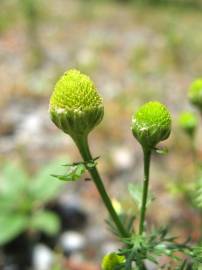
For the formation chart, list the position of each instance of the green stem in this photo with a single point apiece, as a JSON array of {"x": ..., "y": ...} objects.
[
  {"x": 193, "y": 150},
  {"x": 147, "y": 158},
  {"x": 82, "y": 144}
]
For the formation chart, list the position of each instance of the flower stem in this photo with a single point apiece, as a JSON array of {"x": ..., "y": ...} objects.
[
  {"x": 82, "y": 144},
  {"x": 147, "y": 158},
  {"x": 194, "y": 151}
]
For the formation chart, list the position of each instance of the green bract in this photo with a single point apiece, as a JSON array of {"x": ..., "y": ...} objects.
[
  {"x": 75, "y": 106},
  {"x": 195, "y": 93},
  {"x": 111, "y": 261},
  {"x": 151, "y": 124},
  {"x": 188, "y": 121}
]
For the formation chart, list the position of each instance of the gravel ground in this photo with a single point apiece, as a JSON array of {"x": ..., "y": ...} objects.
[{"x": 134, "y": 54}]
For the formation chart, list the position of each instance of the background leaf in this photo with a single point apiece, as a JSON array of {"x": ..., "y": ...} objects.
[
  {"x": 11, "y": 226},
  {"x": 44, "y": 187},
  {"x": 46, "y": 222},
  {"x": 14, "y": 183},
  {"x": 13, "y": 180}
]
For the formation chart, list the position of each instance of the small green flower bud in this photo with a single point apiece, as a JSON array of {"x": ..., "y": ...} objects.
[
  {"x": 151, "y": 124},
  {"x": 195, "y": 93},
  {"x": 111, "y": 261},
  {"x": 75, "y": 106},
  {"x": 188, "y": 122}
]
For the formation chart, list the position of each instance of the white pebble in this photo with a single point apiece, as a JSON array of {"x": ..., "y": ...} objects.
[
  {"x": 72, "y": 241},
  {"x": 42, "y": 257}
]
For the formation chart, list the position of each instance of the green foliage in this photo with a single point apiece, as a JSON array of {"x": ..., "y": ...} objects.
[
  {"x": 196, "y": 193},
  {"x": 76, "y": 170},
  {"x": 31, "y": 13},
  {"x": 8, "y": 15},
  {"x": 188, "y": 122},
  {"x": 161, "y": 151},
  {"x": 127, "y": 221},
  {"x": 195, "y": 93},
  {"x": 75, "y": 106},
  {"x": 74, "y": 173},
  {"x": 136, "y": 193},
  {"x": 151, "y": 124},
  {"x": 188, "y": 3},
  {"x": 22, "y": 200},
  {"x": 11, "y": 225},
  {"x": 157, "y": 244},
  {"x": 45, "y": 221}
]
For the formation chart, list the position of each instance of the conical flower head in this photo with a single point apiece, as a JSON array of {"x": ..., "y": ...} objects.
[
  {"x": 195, "y": 93},
  {"x": 151, "y": 124},
  {"x": 75, "y": 106},
  {"x": 188, "y": 122}
]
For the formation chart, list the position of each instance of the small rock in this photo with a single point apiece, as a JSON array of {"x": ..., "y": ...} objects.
[
  {"x": 72, "y": 241},
  {"x": 111, "y": 89},
  {"x": 42, "y": 257},
  {"x": 122, "y": 158},
  {"x": 85, "y": 57},
  {"x": 94, "y": 237},
  {"x": 150, "y": 265},
  {"x": 30, "y": 127}
]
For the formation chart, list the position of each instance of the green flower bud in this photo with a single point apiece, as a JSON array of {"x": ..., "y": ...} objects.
[
  {"x": 111, "y": 261},
  {"x": 75, "y": 106},
  {"x": 195, "y": 93},
  {"x": 188, "y": 122},
  {"x": 151, "y": 124}
]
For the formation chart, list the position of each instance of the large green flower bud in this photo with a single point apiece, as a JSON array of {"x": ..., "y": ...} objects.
[
  {"x": 195, "y": 93},
  {"x": 151, "y": 124},
  {"x": 75, "y": 106},
  {"x": 111, "y": 261},
  {"x": 188, "y": 122}
]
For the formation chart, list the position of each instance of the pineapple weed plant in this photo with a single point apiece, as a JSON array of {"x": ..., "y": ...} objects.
[
  {"x": 189, "y": 123},
  {"x": 76, "y": 108}
]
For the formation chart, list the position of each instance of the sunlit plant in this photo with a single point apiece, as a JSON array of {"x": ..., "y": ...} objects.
[
  {"x": 189, "y": 185},
  {"x": 195, "y": 94},
  {"x": 150, "y": 125},
  {"x": 23, "y": 199},
  {"x": 188, "y": 122},
  {"x": 76, "y": 108}
]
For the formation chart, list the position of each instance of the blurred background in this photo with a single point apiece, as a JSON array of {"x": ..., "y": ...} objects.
[{"x": 135, "y": 51}]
